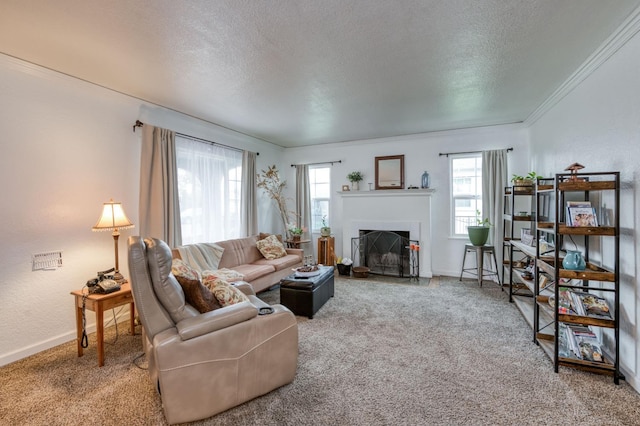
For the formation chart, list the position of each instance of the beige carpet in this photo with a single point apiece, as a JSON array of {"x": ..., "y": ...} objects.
[{"x": 435, "y": 353}]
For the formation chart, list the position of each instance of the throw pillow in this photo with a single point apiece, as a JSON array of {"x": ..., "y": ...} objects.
[
  {"x": 197, "y": 295},
  {"x": 229, "y": 275},
  {"x": 271, "y": 248},
  {"x": 180, "y": 269},
  {"x": 264, "y": 235},
  {"x": 225, "y": 293}
]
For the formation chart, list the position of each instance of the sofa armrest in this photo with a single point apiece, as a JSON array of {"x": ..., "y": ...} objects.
[
  {"x": 297, "y": 252},
  {"x": 215, "y": 320},
  {"x": 244, "y": 287}
]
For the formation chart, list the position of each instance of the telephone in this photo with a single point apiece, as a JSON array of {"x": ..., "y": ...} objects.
[{"x": 104, "y": 283}]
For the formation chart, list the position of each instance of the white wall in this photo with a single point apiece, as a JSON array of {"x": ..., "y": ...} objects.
[
  {"x": 598, "y": 125},
  {"x": 421, "y": 153},
  {"x": 68, "y": 147}
]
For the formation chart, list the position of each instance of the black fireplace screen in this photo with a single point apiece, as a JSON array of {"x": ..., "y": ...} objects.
[{"x": 385, "y": 253}]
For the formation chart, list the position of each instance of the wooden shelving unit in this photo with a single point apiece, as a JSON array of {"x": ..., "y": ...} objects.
[
  {"x": 549, "y": 322},
  {"x": 518, "y": 214}
]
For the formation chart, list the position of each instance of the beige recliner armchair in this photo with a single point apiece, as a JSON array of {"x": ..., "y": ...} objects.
[{"x": 206, "y": 363}]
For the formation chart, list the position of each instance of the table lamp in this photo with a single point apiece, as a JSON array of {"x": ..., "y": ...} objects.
[{"x": 113, "y": 219}]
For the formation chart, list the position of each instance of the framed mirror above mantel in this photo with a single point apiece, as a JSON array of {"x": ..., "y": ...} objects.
[{"x": 390, "y": 172}]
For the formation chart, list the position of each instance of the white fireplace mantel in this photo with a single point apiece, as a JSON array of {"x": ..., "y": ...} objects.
[
  {"x": 409, "y": 210},
  {"x": 388, "y": 193}
]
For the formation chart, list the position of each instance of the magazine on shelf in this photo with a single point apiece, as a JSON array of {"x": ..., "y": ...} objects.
[
  {"x": 582, "y": 342},
  {"x": 586, "y": 343},
  {"x": 581, "y": 213},
  {"x": 591, "y": 305}
]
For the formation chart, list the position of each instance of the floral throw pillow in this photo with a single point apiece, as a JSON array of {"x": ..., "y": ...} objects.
[
  {"x": 271, "y": 248},
  {"x": 180, "y": 269},
  {"x": 229, "y": 275},
  {"x": 225, "y": 293}
]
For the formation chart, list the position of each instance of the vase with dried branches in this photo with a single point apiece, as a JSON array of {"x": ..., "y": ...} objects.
[{"x": 269, "y": 180}]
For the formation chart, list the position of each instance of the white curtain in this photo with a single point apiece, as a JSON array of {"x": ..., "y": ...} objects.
[
  {"x": 210, "y": 191},
  {"x": 159, "y": 208},
  {"x": 494, "y": 180},
  {"x": 249, "y": 207},
  {"x": 303, "y": 198}
]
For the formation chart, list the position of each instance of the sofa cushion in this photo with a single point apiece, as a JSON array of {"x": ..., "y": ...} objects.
[
  {"x": 239, "y": 251},
  {"x": 165, "y": 285},
  {"x": 197, "y": 295},
  {"x": 281, "y": 263},
  {"x": 252, "y": 271},
  {"x": 271, "y": 248}
]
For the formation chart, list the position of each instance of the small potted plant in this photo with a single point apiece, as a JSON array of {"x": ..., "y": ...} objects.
[
  {"x": 479, "y": 234},
  {"x": 295, "y": 232},
  {"x": 354, "y": 178},
  {"x": 325, "y": 230},
  {"x": 527, "y": 180}
]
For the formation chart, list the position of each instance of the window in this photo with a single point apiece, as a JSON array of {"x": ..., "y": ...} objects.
[
  {"x": 320, "y": 190},
  {"x": 209, "y": 189},
  {"x": 466, "y": 191}
]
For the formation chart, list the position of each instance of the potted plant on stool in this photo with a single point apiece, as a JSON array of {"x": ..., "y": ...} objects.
[
  {"x": 325, "y": 230},
  {"x": 479, "y": 234}
]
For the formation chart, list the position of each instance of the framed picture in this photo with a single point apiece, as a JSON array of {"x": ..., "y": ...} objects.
[
  {"x": 346, "y": 188},
  {"x": 390, "y": 172}
]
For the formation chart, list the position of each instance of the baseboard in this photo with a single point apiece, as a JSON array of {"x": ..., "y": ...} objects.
[{"x": 57, "y": 340}]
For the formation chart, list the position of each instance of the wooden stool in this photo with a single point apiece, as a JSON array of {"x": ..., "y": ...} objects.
[{"x": 479, "y": 270}]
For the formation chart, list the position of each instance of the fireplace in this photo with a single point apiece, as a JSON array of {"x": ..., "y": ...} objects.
[
  {"x": 385, "y": 253},
  {"x": 389, "y": 210}
]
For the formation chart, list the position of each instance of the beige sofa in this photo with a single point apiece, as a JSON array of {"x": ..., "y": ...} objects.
[
  {"x": 203, "y": 364},
  {"x": 242, "y": 255}
]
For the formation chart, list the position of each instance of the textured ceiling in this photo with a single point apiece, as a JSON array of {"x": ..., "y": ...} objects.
[{"x": 305, "y": 72}]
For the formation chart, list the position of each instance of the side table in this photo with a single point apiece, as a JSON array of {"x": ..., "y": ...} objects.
[
  {"x": 326, "y": 249},
  {"x": 99, "y": 303},
  {"x": 296, "y": 244}
]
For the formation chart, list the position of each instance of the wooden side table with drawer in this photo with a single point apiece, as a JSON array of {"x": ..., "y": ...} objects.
[{"x": 99, "y": 303}]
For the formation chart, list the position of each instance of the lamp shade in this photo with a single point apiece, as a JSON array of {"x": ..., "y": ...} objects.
[{"x": 112, "y": 218}]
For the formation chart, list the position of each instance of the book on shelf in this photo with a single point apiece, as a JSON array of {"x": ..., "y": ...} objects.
[{"x": 581, "y": 213}]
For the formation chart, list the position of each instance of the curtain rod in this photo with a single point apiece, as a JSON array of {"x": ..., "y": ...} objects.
[
  {"x": 467, "y": 152},
  {"x": 139, "y": 123},
  {"x": 321, "y": 162}
]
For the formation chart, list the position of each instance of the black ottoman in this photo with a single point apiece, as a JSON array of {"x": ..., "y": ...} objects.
[{"x": 306, "y": 295}]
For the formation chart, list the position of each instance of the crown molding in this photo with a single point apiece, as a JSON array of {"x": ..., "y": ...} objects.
[{"x": 619, "y": 38}]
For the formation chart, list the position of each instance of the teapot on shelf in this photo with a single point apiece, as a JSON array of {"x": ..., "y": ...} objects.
[{"x": 574, "y": 261}]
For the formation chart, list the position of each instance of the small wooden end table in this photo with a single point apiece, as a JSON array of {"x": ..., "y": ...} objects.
[
  {"x": 99, "y": 303},
  {"x": 296, "y": 244}
]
